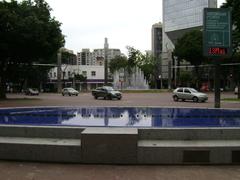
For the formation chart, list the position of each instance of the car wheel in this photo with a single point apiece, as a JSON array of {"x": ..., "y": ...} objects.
[
  {"x": 175, "y": 98},
  {"x": 63, "y": 94},
  {"x": 69, "y": 94},
  {"x": 195, "y": 99},
  {"x": 95, "y": 97},
  {"x": 119, "y": 98},
  {"x": 76, "y": 94},
  {"x": 110, "y": 97}
]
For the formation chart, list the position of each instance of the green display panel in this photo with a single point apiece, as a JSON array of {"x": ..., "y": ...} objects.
[{"x": 217, "y": 35}]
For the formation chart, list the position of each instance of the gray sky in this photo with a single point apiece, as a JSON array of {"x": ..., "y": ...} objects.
[{"x": 86, "y": 23}]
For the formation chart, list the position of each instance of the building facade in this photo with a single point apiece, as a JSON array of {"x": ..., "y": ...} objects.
[
  {"x": 94, "y": 76},
  {"x": 157, "y": 49},
  {"x": 86, "y": 57},
  {"x": 179, "y": 17}
]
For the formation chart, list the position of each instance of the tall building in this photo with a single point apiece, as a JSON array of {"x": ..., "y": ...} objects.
[
  {"x": 85, "y": 57},
  {"x": 157, "y": 39},
  {"x": 157, "y": 46},
  {"x": 179, "y": 17},
  {"x": 112, "y": 53}
]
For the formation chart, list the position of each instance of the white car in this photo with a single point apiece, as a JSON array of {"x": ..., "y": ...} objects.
[
  {"x": 69, "y": 91},
  {"x": 186, "y": 93}
]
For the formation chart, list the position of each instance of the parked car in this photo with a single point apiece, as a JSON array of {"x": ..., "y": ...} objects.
[
  {"x": 187, "y": 93},
  {"x": 107, "y": 92},
  {"x": 32, "y": 92},
  {"x": 236, "y": 90},
  {"x": 69, "y": 91}
]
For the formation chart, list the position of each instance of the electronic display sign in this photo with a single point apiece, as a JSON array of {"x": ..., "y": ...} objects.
[{"x": 217, "y": 40}]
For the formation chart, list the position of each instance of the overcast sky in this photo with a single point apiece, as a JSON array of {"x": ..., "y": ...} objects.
[{"x": 86, "y": 23}]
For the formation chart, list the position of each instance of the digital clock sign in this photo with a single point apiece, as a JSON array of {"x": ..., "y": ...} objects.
[{"x": 217, "y": 51}]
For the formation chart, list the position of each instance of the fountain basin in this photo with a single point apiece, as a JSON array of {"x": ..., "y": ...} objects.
[{"x": 121, "y": 135}]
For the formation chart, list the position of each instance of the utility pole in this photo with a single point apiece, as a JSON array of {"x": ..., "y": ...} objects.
[
  {"x": 59, "y": 72},
  {"x": 106, "y": 62}
]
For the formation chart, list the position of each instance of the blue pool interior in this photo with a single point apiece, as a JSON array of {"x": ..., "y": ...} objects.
[{"x": 121, "y": 117}]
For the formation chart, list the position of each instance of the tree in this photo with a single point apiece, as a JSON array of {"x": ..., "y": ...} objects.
[
  {"x": 235, "y": 6},
  {"x": 189, "y": 48},
  {"x": 117, "y": 63},
  {"x": 28, "y": 34}
]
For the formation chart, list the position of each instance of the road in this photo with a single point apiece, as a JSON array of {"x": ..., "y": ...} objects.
[{"x": 129, "y": 99}]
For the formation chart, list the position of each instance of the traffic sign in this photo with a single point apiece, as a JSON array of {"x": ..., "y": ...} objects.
[{"x": 217, "y": 36}]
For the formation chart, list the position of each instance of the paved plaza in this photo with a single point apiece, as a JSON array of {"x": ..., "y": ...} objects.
[{"x": 16, "y": 170}]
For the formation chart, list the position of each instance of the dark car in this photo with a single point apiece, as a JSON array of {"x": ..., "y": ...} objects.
[
  {"x": 32, "y": 92},
  {"x": 107, "y": 92}
]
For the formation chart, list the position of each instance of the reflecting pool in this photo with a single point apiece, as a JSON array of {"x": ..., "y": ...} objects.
[{"x": 121, "y": 117}]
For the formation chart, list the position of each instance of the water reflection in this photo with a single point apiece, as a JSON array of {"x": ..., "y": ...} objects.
[{"x": 122, "y": 117}]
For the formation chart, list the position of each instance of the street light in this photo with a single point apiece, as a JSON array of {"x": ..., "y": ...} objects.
[{"x": 160, "y": 78}]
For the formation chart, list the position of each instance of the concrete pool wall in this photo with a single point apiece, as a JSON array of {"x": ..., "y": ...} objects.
[{"x": 113, "y": 145}]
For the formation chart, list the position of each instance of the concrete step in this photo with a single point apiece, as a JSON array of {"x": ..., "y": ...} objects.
[
  {"x": 40, "y": 149},
  {"x": 188, "y": 151}
]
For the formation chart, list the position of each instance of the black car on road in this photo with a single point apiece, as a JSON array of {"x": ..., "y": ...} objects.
[{"x": 107, "y": 92}]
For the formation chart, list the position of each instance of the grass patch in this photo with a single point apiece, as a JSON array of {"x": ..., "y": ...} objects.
[{"x": 231, "y": 99}]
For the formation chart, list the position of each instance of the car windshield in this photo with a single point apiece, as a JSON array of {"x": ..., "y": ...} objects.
[
  {"x": 70, "y": 89},
  {"x": 193, "y": 90},
  {"x": 109, "y": 88}
]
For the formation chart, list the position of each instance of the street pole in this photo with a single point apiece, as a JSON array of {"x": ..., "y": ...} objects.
[
  {"x": 59, "y": 72},
  {"x": 217, "y": 93},
  {"x": 169, "y": 75},
  {"x": 106, "y": 62}
]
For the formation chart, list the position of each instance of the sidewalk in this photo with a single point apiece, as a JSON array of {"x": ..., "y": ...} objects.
[{"x": 46, "y": 171}]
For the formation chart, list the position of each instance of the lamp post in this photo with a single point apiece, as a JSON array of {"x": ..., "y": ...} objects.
[
  {"x": 59, "y": 72},
  {"x": 160, "y": 78},
  {"x": 106, "y": 62}
]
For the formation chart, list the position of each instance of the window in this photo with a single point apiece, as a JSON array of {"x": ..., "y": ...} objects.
[
  {"x": 93, "y": 73},
  {"x": 187, "y": 91},
  {"x": 180, "y": 90},
  {"x": 55, "y": 74}
]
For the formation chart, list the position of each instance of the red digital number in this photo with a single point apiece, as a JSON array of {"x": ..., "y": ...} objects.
[{"x": 217, "y": 51}]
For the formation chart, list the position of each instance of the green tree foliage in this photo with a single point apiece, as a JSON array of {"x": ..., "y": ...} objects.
[
  {"x": 28, "y": 34},
  {"x": 189, "y": 47},
  {"x": 117, "y": 63},
  {"x": 68, "y": 58},
  {"x": 147, "y": 63},
  {"x": 235, "y": 7}
]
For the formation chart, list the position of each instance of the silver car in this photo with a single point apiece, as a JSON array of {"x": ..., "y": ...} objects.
[
  {"x": 186, "y": 93},
  {"x": 69, "y": 91}
]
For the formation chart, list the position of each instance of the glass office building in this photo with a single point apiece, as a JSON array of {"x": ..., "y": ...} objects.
[{"x": 179, "y": 17}]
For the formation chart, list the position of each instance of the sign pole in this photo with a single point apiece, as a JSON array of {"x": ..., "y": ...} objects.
[{"x": 217, "y": 92}]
